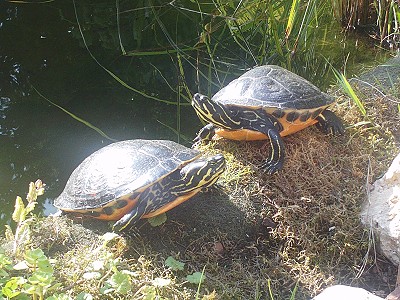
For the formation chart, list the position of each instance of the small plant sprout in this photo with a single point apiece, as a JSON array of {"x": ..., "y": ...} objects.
[
  {"x": 158, "y": 220},
  {"x": 174, "y": 264},
  {"x": 196, "y": 278},
  {"x": 21, "y": 237}
]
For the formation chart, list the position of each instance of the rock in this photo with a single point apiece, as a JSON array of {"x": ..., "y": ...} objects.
[
  {"x": 395, "y": 295},
  {"x": 219, "y": 248},
  {"x": 384, "y": 76},
  {"x": 344, "y": 292},
  {"x": 381, "y": 212}
]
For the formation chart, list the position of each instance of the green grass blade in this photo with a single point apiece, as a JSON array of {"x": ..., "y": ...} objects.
[
  {"x": 159, "y": 52},
  {"x": 292, "y": 17},
  {"x": 199, "y": 285},
  {"x": 274, "y": 31},
  {"x": 270, "y": 289},
  {"x": 119, "y": 28},
  {"x": 293, "y": 294},
  {"x": 98, "y": 130},
  {"x": 349, "y": 91}
]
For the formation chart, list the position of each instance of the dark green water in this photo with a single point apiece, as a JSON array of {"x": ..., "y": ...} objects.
[{"x": 40, "y": 46}]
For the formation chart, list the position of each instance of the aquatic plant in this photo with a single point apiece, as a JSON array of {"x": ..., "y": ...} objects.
[{"x": 379, "y": 16}]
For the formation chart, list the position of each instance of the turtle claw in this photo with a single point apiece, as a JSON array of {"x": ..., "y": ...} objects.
[
  {"x": 58, "y": 213},
  {"x": 271, "y": 167},
  {"x": 128, "y": 220},
  {"x": 196, "y": 142},
  {"x": 329, "y": 123},
  {"x": 205, "y": 135}
]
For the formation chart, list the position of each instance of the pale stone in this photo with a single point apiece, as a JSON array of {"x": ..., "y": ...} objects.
[
  {"x": 381, "y": 212},
  {"x": 344, "y": 292}
]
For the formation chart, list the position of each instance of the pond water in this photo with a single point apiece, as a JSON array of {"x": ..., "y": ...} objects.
[{"x": 41, "y": 50}]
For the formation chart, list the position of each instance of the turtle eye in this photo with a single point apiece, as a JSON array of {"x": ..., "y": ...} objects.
[
  {"x": 200, "y": 98},
  {"x": 203, "y": 98},
  {"x": 197, "y": 97}
]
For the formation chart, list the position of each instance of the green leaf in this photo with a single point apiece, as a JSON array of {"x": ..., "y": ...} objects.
[
  {"x": 120, "y": 282},
  {"x": 3, "y": 273},
  {"x": 19, "y": 210},
  {"x": 174, "y": 264},
  {"x": 5, "y": 262},
  {"x": 33, "y": 256},
  {"x": 12, "y": 287},
  {"x": 106, "y": 289},
  {"x": 196, "y": 278},
  {"x": 31, "y": 289},
  {"x": 30, "y": 207},
  {"x": 158, "y": 220},
  {"x": 9, "y": 293},
  {"x": 39, "y": 185},
  {"x": 45, "y": 266},
  {"x": 149, "y": 293},
  {"x": 41, "y": 278},
  {"x": 32, "y": 193}
]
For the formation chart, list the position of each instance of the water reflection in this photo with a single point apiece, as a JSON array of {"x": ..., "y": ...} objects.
[{"x": 4, "y": 105}]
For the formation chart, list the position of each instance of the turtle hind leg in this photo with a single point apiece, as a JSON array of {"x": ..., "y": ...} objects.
[
  {"x": 329, "y": 123},
  {"x": 276, "y": 157},
  {"x": 205, "y": 134}
]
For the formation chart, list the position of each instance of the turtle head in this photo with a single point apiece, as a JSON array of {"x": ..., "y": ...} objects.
[
  {"x": 204, "y": 107},
  {"x": 202, "y": 173},
  {"x": 213, "y": 112}
]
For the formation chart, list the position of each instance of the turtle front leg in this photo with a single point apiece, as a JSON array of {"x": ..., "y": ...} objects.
[
  {"x": 328, "y": 123},
  {"x": 205, "y": 134},
  {"x": 260, "y": 121},
  {"x": 129, "y": 219},
  {"x": 276, "y": 157}
]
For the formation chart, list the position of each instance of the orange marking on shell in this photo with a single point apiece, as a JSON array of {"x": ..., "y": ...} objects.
[{"x": 117, "y": 214}]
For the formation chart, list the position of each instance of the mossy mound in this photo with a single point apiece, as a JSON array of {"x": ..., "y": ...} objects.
[{"x": 257, "y": 234}]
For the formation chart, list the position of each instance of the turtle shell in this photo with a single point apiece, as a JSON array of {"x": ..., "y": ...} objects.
[
  {"x": 121, "y": 170},
  {"x": 292, "y": 100},
  {"x": 272, "y": 86}
]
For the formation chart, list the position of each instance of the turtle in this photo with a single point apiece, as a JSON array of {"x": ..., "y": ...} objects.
[
  {"x": 133, "y": 179},
  {"x": 266, "y": 102}
]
